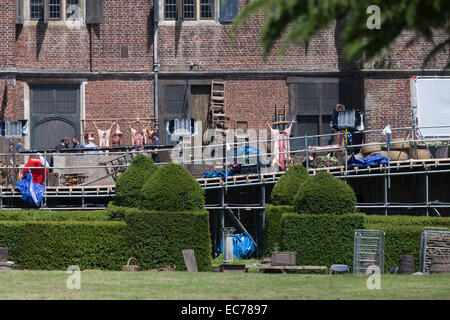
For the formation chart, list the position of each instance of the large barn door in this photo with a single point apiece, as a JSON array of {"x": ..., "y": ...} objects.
[{"x": 54, "y": 114}]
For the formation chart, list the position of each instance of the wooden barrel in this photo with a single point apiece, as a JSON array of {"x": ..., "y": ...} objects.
[
  {"x": 440, "y": 265},
  {"x": 366, "y": 150},
  {"x": 407, "y": 265},
  {"x": 420, "y": 154},
  {"x": 396, "y": 144}
]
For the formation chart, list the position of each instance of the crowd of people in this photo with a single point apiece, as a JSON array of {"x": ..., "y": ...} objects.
[{"x": 79, "y": 147}]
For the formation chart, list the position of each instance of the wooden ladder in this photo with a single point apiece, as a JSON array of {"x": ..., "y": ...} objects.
[
  {"x": 219, "y": 119},
  {"x": 280, "y": 119}
]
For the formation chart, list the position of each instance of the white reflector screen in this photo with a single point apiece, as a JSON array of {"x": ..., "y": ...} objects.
[{"x": 433, "y": 104}]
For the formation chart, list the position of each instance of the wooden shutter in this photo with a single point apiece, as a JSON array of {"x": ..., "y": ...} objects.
[
  {"x": 19, "y": 12},
  {"x": 156, "y": 10},
  {"x": 46, "y": 10},
  {"x": 180, "y": 10},
  {"x": 228, "y": 10},
  {"x": 94, "y": 11}
]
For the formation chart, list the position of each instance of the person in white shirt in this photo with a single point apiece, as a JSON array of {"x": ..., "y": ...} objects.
[{"x": 91, "y": 144}]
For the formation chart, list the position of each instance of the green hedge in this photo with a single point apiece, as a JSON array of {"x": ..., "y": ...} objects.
[
  {"x": 325, "y": 193},
  {"x": 320, "y": 240},
  {"x": 55, "y": 245},
  {"x": 311, "y": 235},
  {"x": 129, "y": 184},
  {"x": 286, "y": 188},
  {"x": 157, "y": 238},
  {"x": 42, "y": 215},
  {"x": 172, "y": 188},
  {"x": 402, "y": 235},
  {"x": 272, "y": 227}
]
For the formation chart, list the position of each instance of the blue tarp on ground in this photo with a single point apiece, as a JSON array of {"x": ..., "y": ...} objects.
[
  {"x": 242, "y": 246},
  {"x": 374, "y": 160},
  {"x": 31, "y": 192}
]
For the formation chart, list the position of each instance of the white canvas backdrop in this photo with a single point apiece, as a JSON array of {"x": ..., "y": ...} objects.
[{"x": 433, "y": 105}]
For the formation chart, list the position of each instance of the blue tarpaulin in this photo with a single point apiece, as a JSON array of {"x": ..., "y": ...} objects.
[
  {"x": 374, "y": 160},
  {"x": 217, "y": 173},
  {"x": 31, "y": 192},
  {"x": 242, "y": 245}
]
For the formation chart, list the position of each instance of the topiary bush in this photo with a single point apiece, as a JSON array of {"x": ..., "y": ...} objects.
[
  {"x": 325, "y": 194},
  {"x": 172, "y": 188},
  {"x": 286, "y": 188},
  {"x": 129, "y": 184}
]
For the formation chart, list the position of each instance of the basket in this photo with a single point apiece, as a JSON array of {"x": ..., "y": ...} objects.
[{"x": 131, "y": 267}]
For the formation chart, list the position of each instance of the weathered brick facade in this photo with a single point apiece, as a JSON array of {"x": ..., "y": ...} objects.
[{"x": 115, "y": 61}]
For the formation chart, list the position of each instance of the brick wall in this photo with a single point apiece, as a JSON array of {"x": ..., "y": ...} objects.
[
  {"x": 7, "y": 34},
  {"x": 254, "y": 100},
  {"x": 119, "y": 99},
  {"x": 211, "y": 48},
  {"x": 56, "y": 46},
  {"x": 387, "y": 101}
]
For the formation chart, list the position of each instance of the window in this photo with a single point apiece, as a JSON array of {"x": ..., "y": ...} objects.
[
  {"x": 195, "y": 10},
  {"x": 36, "y": 10},
  {"x": 170, "y": 9},
  {"x": 189, "y": 9},
  {"x": 73, "y": 9},
  {"x": 55, "y": 10},
  {"x": 206, "y": 9}
]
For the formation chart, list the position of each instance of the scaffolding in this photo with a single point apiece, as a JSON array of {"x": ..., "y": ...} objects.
[{"x": 225, "y": 191}]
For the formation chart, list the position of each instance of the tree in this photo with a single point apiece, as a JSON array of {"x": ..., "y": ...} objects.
[{"x": 302, "y": 19}]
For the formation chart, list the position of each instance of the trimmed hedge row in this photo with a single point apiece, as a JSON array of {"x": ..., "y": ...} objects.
[
  {"x": 41, "y": 215},
  {"x": 320, "y": 240},
  {"x": 402, "y": 235},
  {"x": 157, "y": 238},
  {"x": 55, "y": 245},
  {"x": 154, "y": 238},
  {"x": 328, "y": 239},
  {"x": 272, "y": 227}
]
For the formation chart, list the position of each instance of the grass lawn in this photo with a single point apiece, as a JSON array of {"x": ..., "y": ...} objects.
[{"x": 162, "y": 285}]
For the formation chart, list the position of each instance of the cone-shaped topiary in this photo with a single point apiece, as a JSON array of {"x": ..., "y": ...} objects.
[
  {"x": 129, "y": 184},
  {"x": 286, "y": 188},
  {"x": 172, "y": 188},
  {"x": 325, "y": 194}
]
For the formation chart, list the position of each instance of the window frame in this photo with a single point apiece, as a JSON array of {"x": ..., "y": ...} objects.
[
  {"x": 180, "y": 13},
  {"x": 200, "y": 10},
  {"x": 63, "y": 18}
]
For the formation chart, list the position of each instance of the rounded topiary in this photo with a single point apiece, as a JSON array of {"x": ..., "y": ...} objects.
[
  {"x": 286, "y": 188},
  {"x": 172, "y": 188},
  {"x": 325, "y": 194},
  {"x": 129, "y": 184}
]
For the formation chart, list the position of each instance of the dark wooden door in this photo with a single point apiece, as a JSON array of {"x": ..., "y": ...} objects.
[{"x": 54, "y": 114}]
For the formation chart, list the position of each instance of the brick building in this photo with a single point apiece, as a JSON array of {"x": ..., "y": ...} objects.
[{"x": 65, "y": 64}]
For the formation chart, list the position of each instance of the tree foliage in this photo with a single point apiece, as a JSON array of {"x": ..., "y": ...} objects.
[{"x": 304, "y": 18}]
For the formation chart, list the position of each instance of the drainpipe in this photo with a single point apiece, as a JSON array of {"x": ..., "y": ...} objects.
[{"x": 155, "y": 61}]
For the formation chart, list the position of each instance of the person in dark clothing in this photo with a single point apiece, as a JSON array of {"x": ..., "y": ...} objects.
[
  {"x": 64, "y": 143},
  {"x": 156, "y": 141},
  {"x": 76, "y": 144}
]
